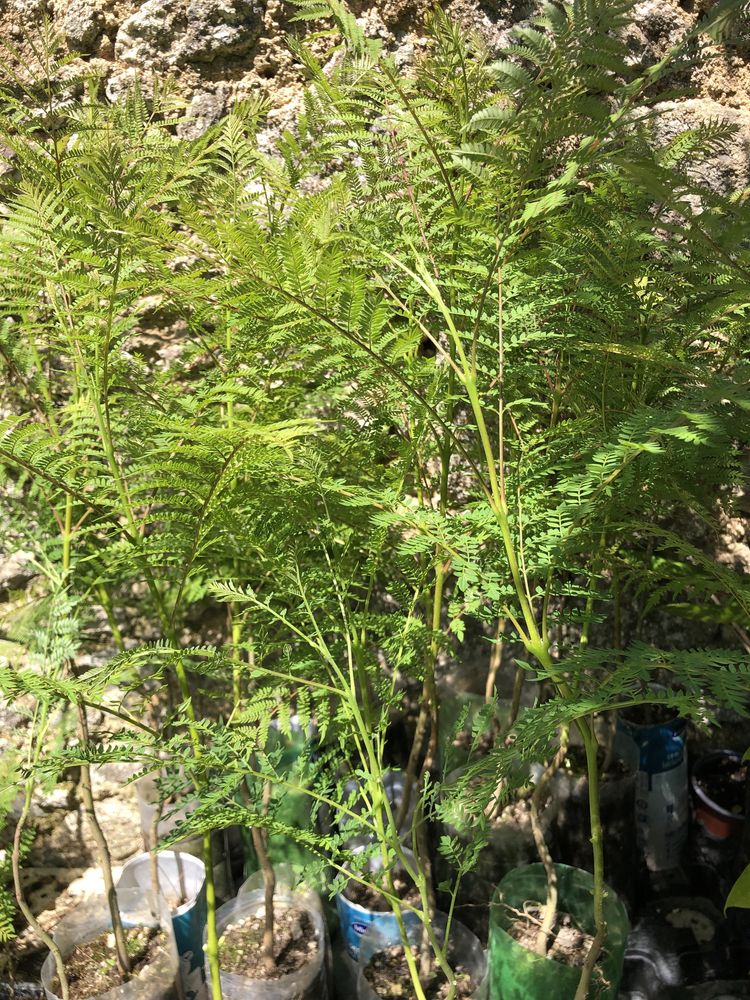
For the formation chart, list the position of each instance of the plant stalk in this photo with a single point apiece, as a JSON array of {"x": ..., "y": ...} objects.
[
  {"x": 24, "y": 907},
  {"x": 549, "y": 919},
  {"x": 105, "y": 859},
  {"x": 592, "y": 767},
  {"x": 212, "y": 938},
  {"x": 260, "y": 844}
]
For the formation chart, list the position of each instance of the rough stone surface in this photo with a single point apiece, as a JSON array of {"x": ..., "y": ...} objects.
[
  {"x": 168, "y": 33},
  {"x": 205, "y": 108},
  {"x": 219, "y": 51},
  {"x": 16, "y": 570},
  {"x": 728, "y": 170},
  {"x": 82, "y": 24}
]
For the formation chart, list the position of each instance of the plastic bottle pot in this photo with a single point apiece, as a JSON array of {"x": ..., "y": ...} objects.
[
  {"x": 287, "y": 883},
  {"x": 516, "y": 973},
  {"x": 182, "y": 883},
  {"x": 20, "y": 991},
  {"x": 718, "y": 822},
  {"x": 308, "y": 983},
  {"x": 677, "y": 942},
  {"x": 355, "y": 920},
  {"x": 154, "y": 982},
  {"x": 656, "y": 752},
  {"x": 147, "y": 793},
  {"x": 464, "y": 949}
]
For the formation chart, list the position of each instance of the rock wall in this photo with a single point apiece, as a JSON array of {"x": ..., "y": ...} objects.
[{"x": 220, "y": 50}]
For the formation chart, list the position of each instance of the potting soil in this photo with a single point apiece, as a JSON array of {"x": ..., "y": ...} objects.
[
  {"x": 295, "y": 944},
  {"x": 370, "y": 899},
  {"x": 567, "y": 943},
  {"x": 92, "y": 966},
  {"x": 725, "y": 785},
  {"x": 388, "y": 974}
]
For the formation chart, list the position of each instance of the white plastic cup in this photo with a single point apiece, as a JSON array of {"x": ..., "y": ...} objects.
[
  {"x": 308, "y": 983},
  {"x": 92, "y": 918},
  {"x": 181, "y": 876},
  {"x": 464, "y": 949}
]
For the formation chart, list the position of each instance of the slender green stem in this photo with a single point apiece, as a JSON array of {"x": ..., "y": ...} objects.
[
  {"x": 67, "y": 538},
  {"x": 592, "y": 767},
  {"x": 236, "y": 661},
  {"x": 212, "y": 937}
]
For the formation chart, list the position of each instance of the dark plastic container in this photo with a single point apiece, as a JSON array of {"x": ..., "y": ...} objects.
[
  {"x": 678, "y": 942},
  {"x": 712, "y": 769}
]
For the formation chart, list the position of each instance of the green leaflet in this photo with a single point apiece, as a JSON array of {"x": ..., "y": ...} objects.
[{"x": 739, "y": 894}]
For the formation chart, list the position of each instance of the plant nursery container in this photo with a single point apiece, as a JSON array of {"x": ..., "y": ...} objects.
[
  {"x": 308, "y": 983},
  {"x": 718, "y": 787},
  {"x": 172, "y": 815},
  {"x": 288, "y": 882},
  {"x": 656, "y": 752},
  {"x": 515, "y": 972},
  {"x": 677, "y": 942},
  {"x": 464, "y": 951},
  {"x": 182, "y": 884},
  {"x": 355, "y": 920},
  {"x": 137, "y": 908}
]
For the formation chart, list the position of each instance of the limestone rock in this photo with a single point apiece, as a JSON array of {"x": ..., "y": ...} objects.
[
  {"x": 177, "y": 33},
  {"x": 204, "y": 109},
  {"x": 16, "y": 570},
  {"x": 729, "y": 169},
  {"x": 82, "y": 24}
]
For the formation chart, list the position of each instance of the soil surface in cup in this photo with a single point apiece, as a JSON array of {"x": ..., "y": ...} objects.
[
  {"x": 92, "y": 967},
  {"x": 295, "y": 944},
  {"x": 370, "y": 899},
  {"x": 725, "y": 784},
  {"x": 388, "y": 976},
  {"x": 569, "y": 945}
]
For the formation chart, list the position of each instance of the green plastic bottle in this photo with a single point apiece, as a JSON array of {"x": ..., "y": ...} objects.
[{"x": 516, "y": 973}]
